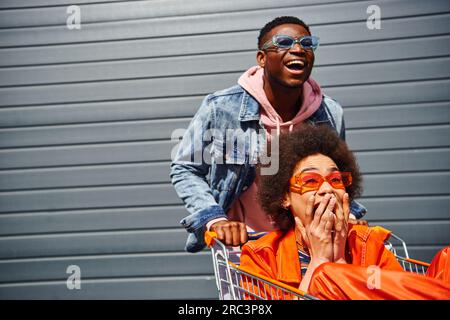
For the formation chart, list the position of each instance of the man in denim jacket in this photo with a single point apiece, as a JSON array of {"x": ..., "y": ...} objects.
[{"x": 215, "y": 166}]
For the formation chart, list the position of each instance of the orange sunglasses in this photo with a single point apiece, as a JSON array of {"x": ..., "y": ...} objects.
[{"x": 310, "y": 181}]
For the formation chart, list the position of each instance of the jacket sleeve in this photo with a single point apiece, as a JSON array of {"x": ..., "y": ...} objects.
[
  {"x": 357, "y": 209},
  {"x": 349, "y": 282},
  {"x": 388, "y": 261},
  {"x": 337, "y": 115},
  {"x": 440, "y": 266},
  {"x": 189, "y": 169}
]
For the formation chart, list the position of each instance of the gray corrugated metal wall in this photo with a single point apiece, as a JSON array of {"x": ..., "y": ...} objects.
[{"x": 86, "y": 117}]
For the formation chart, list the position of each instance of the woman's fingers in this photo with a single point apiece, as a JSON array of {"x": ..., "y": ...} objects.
[
  {"x": 340, "y": 218},
  {"x": 318, "y": 234},
  {"x": 342, "y": 214},
  {"x": 320, "y": 210},
  {"x": 328, "y": 219},
  {"x": 302, "y": 229},
  {"x": 327, "y": 224},
  {"x": 331, "y": 204}
]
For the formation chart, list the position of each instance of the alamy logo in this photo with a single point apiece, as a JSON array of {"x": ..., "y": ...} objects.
[
  {"x": 374, "y": 20},
  {"x": 74, "y": 19},
  {"x": 74, "y": 280},
  {"x": 231, "y": 146},
  {"x": 374, "y": 277}
]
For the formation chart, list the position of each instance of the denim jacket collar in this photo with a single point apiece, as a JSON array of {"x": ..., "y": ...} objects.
[
  {"x": 249, "y": 108},
  {"x": 322, "y": 116}
]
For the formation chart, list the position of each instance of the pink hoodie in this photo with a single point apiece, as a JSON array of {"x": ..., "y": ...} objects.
[
  {"x": 247, "y": 209},
  {"x": 253, "y": 81}
]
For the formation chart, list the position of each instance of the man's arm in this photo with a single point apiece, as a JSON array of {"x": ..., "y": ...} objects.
[{"x": 188, "y": 175}]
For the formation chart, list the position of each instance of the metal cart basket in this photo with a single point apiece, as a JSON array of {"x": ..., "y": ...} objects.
[{"x": 234, "y": 283}]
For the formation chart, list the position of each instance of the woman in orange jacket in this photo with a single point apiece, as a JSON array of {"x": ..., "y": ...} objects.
[{"x": 316, "y": 249}]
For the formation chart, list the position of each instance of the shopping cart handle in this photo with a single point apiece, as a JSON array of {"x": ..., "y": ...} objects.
[{"x": 210, "y": 236}]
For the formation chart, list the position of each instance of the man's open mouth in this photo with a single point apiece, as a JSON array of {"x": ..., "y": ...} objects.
[{"x": 295, "y": 65}]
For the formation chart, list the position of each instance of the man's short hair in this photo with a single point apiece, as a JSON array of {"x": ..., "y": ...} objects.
[{"x": 277, "y": 22}]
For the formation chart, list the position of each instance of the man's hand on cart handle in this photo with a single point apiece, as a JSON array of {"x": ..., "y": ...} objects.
[{"x": 230, "y": 233}]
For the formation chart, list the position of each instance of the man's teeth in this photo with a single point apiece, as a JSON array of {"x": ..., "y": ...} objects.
[{"x": 298, "y": 62}]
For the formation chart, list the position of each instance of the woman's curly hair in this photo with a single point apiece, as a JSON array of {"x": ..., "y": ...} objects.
[{"x": 295, "y": 146}]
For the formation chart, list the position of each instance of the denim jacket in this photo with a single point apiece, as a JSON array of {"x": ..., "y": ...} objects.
[{"x": 207, "y": 178}]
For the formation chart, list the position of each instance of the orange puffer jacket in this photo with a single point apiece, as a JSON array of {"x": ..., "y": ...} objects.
[{"x": 275, "y": 256}]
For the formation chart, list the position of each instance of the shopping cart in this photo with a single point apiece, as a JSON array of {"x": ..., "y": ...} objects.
[
  {"x": 235, "y": 283},
  {"x": 402, "y": 255}
]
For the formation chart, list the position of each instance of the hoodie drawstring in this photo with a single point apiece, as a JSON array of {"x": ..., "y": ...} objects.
[{"x": 291, "y": 126}]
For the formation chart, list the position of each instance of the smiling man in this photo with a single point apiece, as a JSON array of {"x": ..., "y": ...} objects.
[
  {"x": 287, "y": 57},
  {"x": 276, "y": 95}
]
